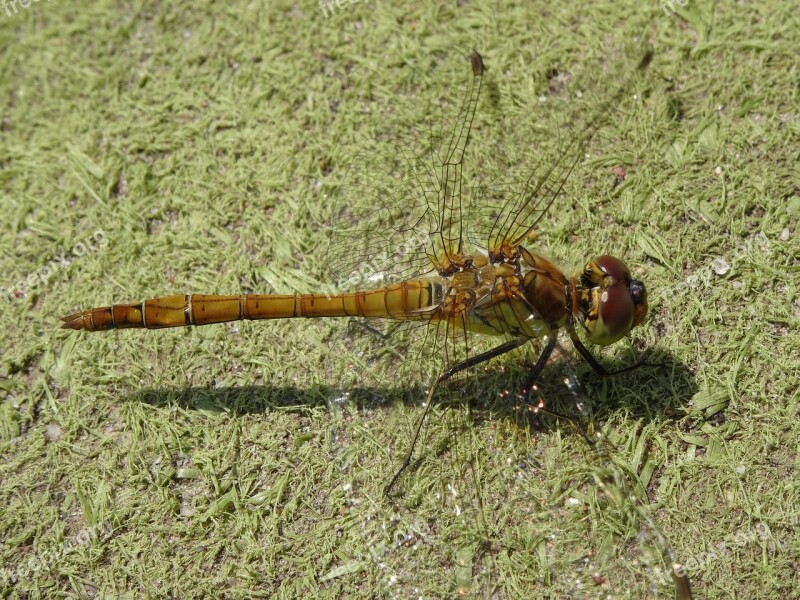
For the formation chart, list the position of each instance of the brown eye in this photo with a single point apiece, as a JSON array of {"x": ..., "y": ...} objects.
[
  {"x": 614, "y": 267},
  {"x": 615, "y": 315}
]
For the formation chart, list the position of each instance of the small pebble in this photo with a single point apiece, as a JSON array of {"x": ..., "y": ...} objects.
[
  {"x": 720, "y": 266},
  {"x": 53, "y": 432}
]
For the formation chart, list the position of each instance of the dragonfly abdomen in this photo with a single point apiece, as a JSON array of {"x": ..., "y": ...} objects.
[{"x": 407, "y": 300}]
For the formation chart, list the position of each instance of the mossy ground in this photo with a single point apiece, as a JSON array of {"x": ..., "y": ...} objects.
[{"x": 190, "y": 147}]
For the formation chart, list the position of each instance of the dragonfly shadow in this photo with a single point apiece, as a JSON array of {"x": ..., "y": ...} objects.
[
  {"x": 662, "y": 386},
  {"x": 647, "y": 393},
  {"x": 659, "y": 389},
  {"x": 261, "y": 399}
]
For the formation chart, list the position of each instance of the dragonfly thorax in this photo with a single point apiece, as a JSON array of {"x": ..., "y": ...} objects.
[
  {"x": 505, "y": 254},
  {"x": 522, "y": 296}
]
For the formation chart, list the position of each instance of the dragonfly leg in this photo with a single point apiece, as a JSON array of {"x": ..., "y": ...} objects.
[
  {"x": 596, "y": 366},
  {"x": 537, "y": 369},
  {"x": 447, "y": 374},
  {"x": 360, "y": 324},
  {"x": 587, "y": 356},
  {"x": 530, "y": 385}
]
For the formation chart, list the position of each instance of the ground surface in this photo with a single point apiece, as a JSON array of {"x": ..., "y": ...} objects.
[{"x": 153, "y": 148}]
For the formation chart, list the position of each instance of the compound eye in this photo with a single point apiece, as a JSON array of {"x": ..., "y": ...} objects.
[
  {"x": 614, "y": 316},
  {"x": 638, "y": 292},
  {"x": 614, "y": 267},
  {"x": 639, "y": 297}
]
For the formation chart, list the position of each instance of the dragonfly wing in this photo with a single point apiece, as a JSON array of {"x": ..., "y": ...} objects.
[
  {"x": 534, "y": 197},
  {"x": 505, "y": 212},
  {"x": 398, "y": 211},
  {"x": 397, "y": 214},
  {"x": 452, "y": 160}
]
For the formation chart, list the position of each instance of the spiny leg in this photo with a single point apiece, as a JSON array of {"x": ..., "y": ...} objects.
[
  {"x": 596, "y": 366},
  {"x": 530, "y": 385},
  {"x": 447, "y": 374},
  {"x": 537, "y": 369},
  {"x": 353, "y": 323},
  {"x": 392, "y": 328},
  {"x": 383, "y": 337}
]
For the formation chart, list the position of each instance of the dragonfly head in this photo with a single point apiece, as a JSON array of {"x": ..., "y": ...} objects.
[{"x": 612, "y": 302}]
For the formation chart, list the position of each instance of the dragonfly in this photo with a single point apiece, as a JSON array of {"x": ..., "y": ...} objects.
[
  {"x": 501, "y": 290},
  {"x": 418, "y": 249}
]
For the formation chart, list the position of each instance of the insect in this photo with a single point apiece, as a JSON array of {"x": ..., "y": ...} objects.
[
  {"x": 505, "y": 290},
  {"x": 420, "y": 250}
]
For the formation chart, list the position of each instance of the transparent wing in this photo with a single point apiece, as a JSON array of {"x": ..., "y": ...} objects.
[
  {"x": 397, "y": 215},
  {"x": 398, "y": 212},
  {"x": 503, "y": 212}
]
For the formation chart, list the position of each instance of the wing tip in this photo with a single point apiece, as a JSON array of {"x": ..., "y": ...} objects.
[{"x": 477, "y": 63}]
